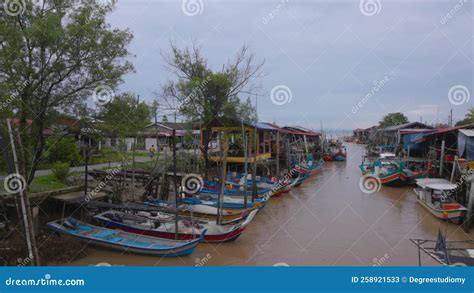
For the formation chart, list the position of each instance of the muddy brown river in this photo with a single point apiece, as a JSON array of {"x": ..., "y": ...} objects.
[{"x": 328, "y": 221}]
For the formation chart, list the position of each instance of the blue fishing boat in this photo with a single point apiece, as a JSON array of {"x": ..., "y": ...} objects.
[
  {"x": 307, "y": 170},
  {"x": 124, "y": 241}
]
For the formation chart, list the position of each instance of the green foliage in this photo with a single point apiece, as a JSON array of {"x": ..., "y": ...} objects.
[
  {"x": 393, "y": 119},
  {"x": 206, "y": 95},
  {"x": 46, "y": 183},
  {"x": 468, "y": 119},
  {"x": 188, "y": 137},
  {"x": 125, "y": 115},
  {"x": 52, "y": 57},
  {"x": 61, "y": 171},
  {"x": 62, "y": 150}
]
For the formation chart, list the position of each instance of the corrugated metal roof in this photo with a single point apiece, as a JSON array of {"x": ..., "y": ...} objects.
[
  {"x": 405, "y": 125},
  {"x": 467, "y": 132},
  {"x": 261, "y": 125}
]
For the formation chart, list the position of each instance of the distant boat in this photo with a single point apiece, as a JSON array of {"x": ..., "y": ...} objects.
[
  {"x": 336, "y": 152},
  {"x": 187, "y": 229},
  {"x": 435, "y": 195},
  {"x": 123, "y": 241},
  {"x": 341, "y": 154}
]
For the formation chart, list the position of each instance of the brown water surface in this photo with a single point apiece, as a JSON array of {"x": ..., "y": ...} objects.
[{"x": 327, "y": 221}]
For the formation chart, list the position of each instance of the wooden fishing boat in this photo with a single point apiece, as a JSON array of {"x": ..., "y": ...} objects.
[
  {"x": 328, "y": 157},
  {"x": 387, "y": 169},
  {"x": 415, "y": 171},
  {"x": 187, "y": 229},
  {"x": 229, "y": 203},
  {"x": 309, "y": 168},
  {"x": 283, "y": 187},
  {"x": 335, "y": 152},
  {"x": 201, "y": 211},
  {"x": 233, "y": 189},
  {"x": 124, "y": 241},
  {"x": 341, "y": 154},
  {"x": 301, "y": 178},
  {"x": 435, "y": 195},
  {"x": 268, "y": 187}
]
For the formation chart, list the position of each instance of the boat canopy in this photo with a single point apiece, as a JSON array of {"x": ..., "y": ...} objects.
[
  {"x": 436, "y": 183},
  {"x": 387, "y": 156}
]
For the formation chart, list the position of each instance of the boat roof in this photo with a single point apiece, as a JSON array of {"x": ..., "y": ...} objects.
[
  {"x": 387, "y": 155},
  {"x": 436, "y": 183}
]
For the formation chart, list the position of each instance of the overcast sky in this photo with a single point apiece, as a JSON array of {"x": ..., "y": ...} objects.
[{"x": 345, "y": 63}]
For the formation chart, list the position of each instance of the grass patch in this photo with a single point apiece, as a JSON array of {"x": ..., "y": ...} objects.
[
  {"x": 139, "y": 154},
  {"x": 46, "y": 183}
]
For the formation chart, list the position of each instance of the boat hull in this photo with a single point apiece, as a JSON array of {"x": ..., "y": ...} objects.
[
  {"x": 127, "y": 246},
  {"x": 410, "y": 178},
  {"x": 392, "y": 180},
  {"x": 225, "y": 237},
  {"x": 456, "y": 216}
]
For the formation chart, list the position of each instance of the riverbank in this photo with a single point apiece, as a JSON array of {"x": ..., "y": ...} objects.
[{"x": 327, "y": 221}]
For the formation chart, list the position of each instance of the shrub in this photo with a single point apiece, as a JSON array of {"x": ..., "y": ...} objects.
[
  {"x": 61, "y": 171},
  {"x": 63, "y": 150}
]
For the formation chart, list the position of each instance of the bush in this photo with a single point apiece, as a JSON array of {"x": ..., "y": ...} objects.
[
  {"x": 61, "y": 171},
  {"x": 63, "y": 150}
]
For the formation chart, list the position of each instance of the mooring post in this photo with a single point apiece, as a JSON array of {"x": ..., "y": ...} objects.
[
  {"x": 467, "y": 224},
  {"x": 441, "y": 159}
]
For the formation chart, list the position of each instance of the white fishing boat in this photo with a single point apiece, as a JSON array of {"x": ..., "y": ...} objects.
[{"x": 436, "y": 196}]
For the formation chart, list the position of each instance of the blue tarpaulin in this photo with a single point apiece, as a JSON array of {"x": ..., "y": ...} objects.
[
  {"x": 466, "y": 144},
  {"x": 409, "y": 138}
]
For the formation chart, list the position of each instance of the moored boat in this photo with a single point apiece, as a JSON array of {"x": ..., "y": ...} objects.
[
  {"x": 201, "y": 211},
  {"x": 341, "y": 154},
  {"x": 187, "y": 229},
  {"x": 124, "y": 241},
  {"x": 435, "y": 195},
  {"x": 415, "y": 171},
  {"x": 387, "y": 169}
]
